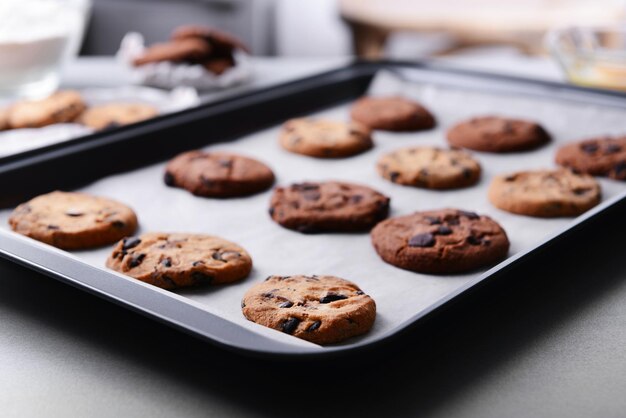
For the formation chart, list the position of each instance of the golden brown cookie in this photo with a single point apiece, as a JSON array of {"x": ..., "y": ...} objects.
[
  {"x": 189, "y": 49},
  {"x": 320, "y": 309},
  {"x": 429, "y": 167},
  {"x": 440, "y": 241},
  {"x": 497, "y": 134},
  {"x": 328, "y": 206},
  {"x": 61, "y": 107},
  {"x": 112, "y": 115},
  {"x": 171, "y": 261},
  {"x": 545, "y": 193},
  {"x": 325, "y": 138},
  {"x": 73, "y": 221},
  {"x": 603, "y": 156},
  {"x": 392, "y": 114},
  {"x": 218, "y": 174}
]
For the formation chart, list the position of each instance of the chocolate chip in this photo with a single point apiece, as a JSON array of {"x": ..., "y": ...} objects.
[
  {"x": 226, "y": 163},
  {"x": 422, "y": 240},
  {"x": 453, "y": 220},
  {"x": 267, "y": 295},
  {"x": 331, "y": 297},
  {"x": 287, "y": 304},
  {"x": 167, "y": 262},
  {"x": 168, "y": 178},
  {"x": 53, "y": 227},
  {"x": 136, "y": 260},
  {"x": 271, "y": 211},
  {"x": 118, "y": 224},
  {"x": 315, "y": 325},
  {"x": 612, "y": 149},
  {"x": 443, "y": 230},
  {"x": 201, "y": 278},
  {"x": 393, "y": 176},
  {"x": 197, "y": 263},
  {"x": 469, "y": 215},
  {"x": 290, "y": 325},
  {"x": 467, "y": 173},
  {"x": 581, "y": 191},
  {"x": 512, "y": 177},
  {"x": 130, "y": 242},
  {"x": 243, "y": 304},
  {"x": 589, "y": 148},
  {"x": 472, "y": 240},
  {"x": 360, "y": 292},
  {"x": 433, "y": 220},
  {"x": 619, "y": 170},
  {"x": 74, "y": 213},
  {"x": 356, "y": 198}
]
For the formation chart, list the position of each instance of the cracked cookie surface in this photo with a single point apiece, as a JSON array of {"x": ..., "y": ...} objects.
[
  {"x": 429, "y": 167},
  {"x": 440, "y": 241},
  {"x": 218, "y": 174},
  {"x": 173, "y": 260},
  {"x": 73, "y": 221},
  {"x": 545, "y": 193},
  {"x": 328, "y": 206},
  {"x": 320, "y": 309}
]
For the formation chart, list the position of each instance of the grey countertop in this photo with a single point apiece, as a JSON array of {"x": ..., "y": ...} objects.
[{"x": 550, "y": 345}]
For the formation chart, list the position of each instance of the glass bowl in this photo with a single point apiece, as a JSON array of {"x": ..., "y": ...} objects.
[{"x": 591, "y": 56}]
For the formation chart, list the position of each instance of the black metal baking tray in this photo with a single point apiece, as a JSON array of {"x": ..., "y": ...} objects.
[{"x": 80, "y": 161}]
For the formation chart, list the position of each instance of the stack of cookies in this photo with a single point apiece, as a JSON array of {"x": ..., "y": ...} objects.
[{"x": 205, "y": 46}]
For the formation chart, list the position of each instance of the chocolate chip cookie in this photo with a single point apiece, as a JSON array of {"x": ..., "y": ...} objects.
[
  {"x": 429, "y": 167},
  {"x": 61, "y": 107},
  {"x": 188, "y": 49},
  {"x": 325, "y": 138},
  {"x": 171, "y": 261},
  {"x": 545, "y": 193},
  {"x": 328, "y": 207},
  {"x": 320, "y": 309},
  {"x": 497, "y": 134},
  {"x": 73, "y": 221},
  {"x": 112, "y": 115},
  {"x": 392, "y": 114},
  {"x": 218, "y": 174},
  {"x": 604, "y": 156},
  {"x": 440, "y": 241}
]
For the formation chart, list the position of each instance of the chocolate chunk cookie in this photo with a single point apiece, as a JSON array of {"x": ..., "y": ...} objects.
[
  {"x": 545, "y": 193},
  {"x": 170, "y": 261},
  {"x": 320, "y": 309},
  {"x": 61, "y": 107},
  {"x": 392, "y": 114},
  {"x": 605, "y": 156},
  {"x": 189, "y": 49},
  {"x": 440, "y": 241},
  {"x": 432, "y": 168},
  {"x": 330, "y": 206},
  {"x": 497, "y": 134},
  {"x": 116, "y": 114},
  {"x": 218, "y": 174},
  {"x": 325, "y": 138},
  {"x": 73, "y": 221}
]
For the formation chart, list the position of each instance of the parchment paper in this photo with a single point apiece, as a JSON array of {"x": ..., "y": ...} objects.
[{"x": 398, "y": 294}]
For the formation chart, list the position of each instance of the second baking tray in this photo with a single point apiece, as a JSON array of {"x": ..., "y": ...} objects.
[{"x": 128, "y": 165}]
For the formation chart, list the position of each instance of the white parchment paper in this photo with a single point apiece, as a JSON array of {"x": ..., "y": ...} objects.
[{"x": 399, "y": 294}]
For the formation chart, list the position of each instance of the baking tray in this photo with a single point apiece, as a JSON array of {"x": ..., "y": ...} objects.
[{"x": 121, "y": 153}]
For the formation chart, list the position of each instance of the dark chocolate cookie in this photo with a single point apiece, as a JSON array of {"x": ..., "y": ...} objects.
[
  {"x": 73, "y": 221},
  {"x": 604, "y": 156},
  {"x": 320, "y": 309},
  {"x": 440, "y": 241},
  {"x": 429, "y": 167},
  {"x": 325, "y": 138},
  {"x": 545, "y": 193},
  {"x": 497, "y": 134},
  {"x": 392, "y": 114},
  {"x": 218, "y": 174},
  {"x": 328, "y": 207},
  {"x": 180, "y": 260}
]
